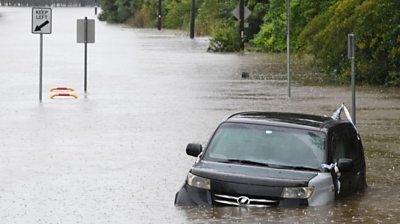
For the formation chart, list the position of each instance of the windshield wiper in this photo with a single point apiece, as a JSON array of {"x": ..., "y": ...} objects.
[
  {"x": 276, "y": 166},
  {"x": 305, "y": 168},
  {"x": 298, "y": 168},
  {"x": 242, "y": 161}
]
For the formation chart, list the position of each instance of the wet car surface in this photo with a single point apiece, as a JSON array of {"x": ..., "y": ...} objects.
[{"x": 116, "y": 155}]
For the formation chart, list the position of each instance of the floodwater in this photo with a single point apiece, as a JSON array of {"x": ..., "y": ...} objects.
[{"x": 117, "y": 155}]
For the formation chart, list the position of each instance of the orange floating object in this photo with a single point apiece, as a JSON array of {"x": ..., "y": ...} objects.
[
  {"x": 63, "y": 94},
  {"x": 62, "y": 89}
]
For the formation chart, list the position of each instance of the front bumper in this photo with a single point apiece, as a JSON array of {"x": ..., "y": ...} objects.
[{"x": 191, "y": 196}]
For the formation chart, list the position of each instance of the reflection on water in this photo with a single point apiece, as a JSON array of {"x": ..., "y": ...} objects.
[
  {"x": 351, "y": 210},
  {"x": 118, "y": 155}
]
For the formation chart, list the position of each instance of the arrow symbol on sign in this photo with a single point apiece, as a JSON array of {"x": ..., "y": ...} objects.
[{"x": 39, "y": 28}]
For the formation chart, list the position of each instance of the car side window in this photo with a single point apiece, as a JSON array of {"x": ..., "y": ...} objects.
[
  {"x": 337, "y": 147},
  {"x": 344, "y": 145}
]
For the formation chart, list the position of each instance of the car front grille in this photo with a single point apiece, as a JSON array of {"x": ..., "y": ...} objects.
[{"x": 244, "y": 201}]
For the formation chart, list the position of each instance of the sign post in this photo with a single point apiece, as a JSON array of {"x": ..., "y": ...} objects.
[
  {"x": 241, "y": 13},
  {"x": 41, "y": 68},
  {"x": 192, "y": 18},
  {"x": 241, "y": 24},
  {"x": 95, "y": 7},
  {"x": 85, "y": 34},
  {"x": 352, "y": 57},
  {"x": 41, "y": 24},
  {"x": 159, "y": 24},
  {"x": 288, "y": 49}
]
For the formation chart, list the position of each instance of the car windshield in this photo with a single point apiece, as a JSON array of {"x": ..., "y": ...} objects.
[{"x": 273, "y": 146}]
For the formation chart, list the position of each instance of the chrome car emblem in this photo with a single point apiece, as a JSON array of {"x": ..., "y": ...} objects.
[{"x": 243, "y": 200}]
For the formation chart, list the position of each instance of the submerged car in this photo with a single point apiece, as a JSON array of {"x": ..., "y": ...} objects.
[{"x": 265, "y": 159}]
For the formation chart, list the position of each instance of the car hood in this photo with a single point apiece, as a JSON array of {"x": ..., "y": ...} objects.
[{"x": 250, "y": 174}]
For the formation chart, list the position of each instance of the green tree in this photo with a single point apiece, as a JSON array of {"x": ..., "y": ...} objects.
[
  {"x": 149, "y": 9},
  {"x": 177, "y": 14},
  {"x": 258, "y": 9},
  {"x": 375, "y": 24},
  {"x": 208, "y": 14},
  {"x": 325, "y": 35},
  {"x": 377, "y": 30},
  {"x": 272, "y": 36},
  {"x": 109, "y": 11},
  {"x": 123, "y": 10},
  {"x": 215, "y": 18},
  {"x": 116, "y": 11},
  {"x": 225, "y": 38},
  {"x": 144, "y": 13}
]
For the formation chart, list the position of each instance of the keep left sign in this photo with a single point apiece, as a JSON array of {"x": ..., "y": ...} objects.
[{"x": 41, "y": 20}]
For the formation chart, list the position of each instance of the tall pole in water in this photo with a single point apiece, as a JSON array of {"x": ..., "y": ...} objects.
[
  {"x": 353, "y": 89},
  {"x": 86, "y": 41},
  {"x": 159, "y": 15},
  {"x": 95, "y": 7},
  {"x": 288, "y": 47},
  {"x": 192, "y": 19},
  {"x": 241, "y": 24},
  {"x": 41, "y": 67},
  {"x": 352, "y": 57}
]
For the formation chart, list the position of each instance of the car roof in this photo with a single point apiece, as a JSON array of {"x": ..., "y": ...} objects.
[{"x": 293, "y": 120}]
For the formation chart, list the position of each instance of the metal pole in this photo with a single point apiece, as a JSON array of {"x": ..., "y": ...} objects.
[
  {"x": 192, "y": 19},
  {"x": 86, "y": 39},
  {"x": 95, "y": 8},
  {"x": 41, "y": 67},
  {"x": 288, "y": 47},
  {"x": 159, "y": 15},
  {"x": 353, "y": 89},
  {"x": 352, "y": 57},
  {"x": 241, "y": 24}
]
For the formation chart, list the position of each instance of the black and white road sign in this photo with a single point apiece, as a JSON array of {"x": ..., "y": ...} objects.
[{"x": 41, "y": 20}]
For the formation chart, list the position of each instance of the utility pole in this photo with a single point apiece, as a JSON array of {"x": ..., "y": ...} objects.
[
  {"x": 159, "y": 15},
  {"x": 241, "y": 24},
  {"x": 192, "y": 19},
  {"x": 288, "y": 48}
]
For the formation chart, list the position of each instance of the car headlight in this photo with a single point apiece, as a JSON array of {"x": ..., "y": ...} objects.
[
  {"x": 199, "y": 182},
  {"x": 297, "y": 192}
]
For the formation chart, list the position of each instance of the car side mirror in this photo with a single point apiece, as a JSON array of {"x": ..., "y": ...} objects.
[
  {"x": 345, "y": 165},
  {"x": 193, "y": 149}
]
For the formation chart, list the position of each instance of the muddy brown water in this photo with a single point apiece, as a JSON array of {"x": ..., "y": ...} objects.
[{"x": 117, "y": 155}]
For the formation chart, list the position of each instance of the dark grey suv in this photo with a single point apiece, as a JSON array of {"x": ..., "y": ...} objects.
[{"x": 263, "y": 159}]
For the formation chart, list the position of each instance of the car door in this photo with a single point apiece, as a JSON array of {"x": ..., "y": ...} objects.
[{"x": 345, "y": 144}]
